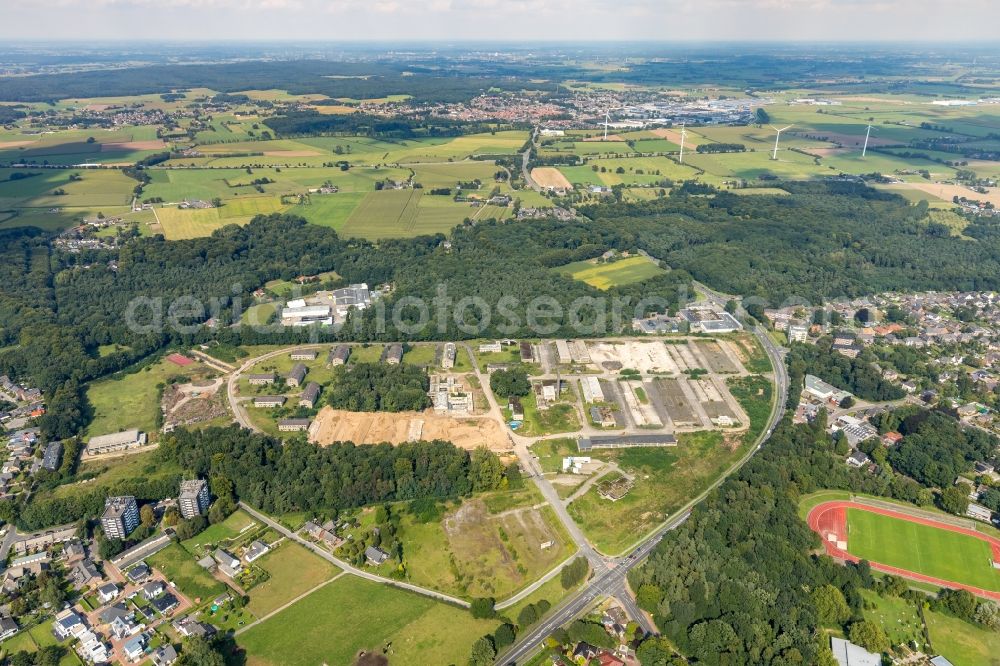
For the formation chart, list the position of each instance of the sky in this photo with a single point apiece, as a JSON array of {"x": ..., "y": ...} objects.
[{"x": 501, "y": 20}]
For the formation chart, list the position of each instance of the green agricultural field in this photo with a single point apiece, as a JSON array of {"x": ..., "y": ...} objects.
[
  {"x": 403, "y": 213},
  {"x": 607, "y": 275},
  {"x": 921, "y": 549},
  {"x": 323, "y": 628},
  {"x": 331, "y": 210},
  {"x": 293, "y": 571},
  {"x": 963, "y": 644},
  {"x": 177, "y": 224},
  {"x": 180, "y": 567},
  {"x": 125, "y": 401}
]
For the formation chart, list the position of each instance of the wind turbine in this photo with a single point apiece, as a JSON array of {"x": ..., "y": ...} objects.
[
  {"x": 607, "y": 121},
  {"x": 867, "y": 134},
  {"x": 774, "y": 155},
  {"x": 683, "y": 134}
]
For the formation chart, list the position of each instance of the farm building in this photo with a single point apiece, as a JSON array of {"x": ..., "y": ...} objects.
[{"x": 118, "y": 441}]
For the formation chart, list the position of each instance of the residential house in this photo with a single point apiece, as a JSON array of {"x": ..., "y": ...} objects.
[
  {"x": 135, "y": 648},
  {"x": 228, "y": 564},
  {"x": 153, "y": 589},
  {"x": 84, "y": 574},
  {"x": 8, "y": 627},
  {"x": 165, "y": 603},
  {"x": 256, "y": 550},
  {"x": 164, "y": 655},
  {"x": 67, "y": 623},
  {"x": 107, "y": 593},
  {"x": 260, "y": 379},
  {"x": 304, "y": 355},
  {"x": 858, "y": 459},
  {"x": 375, "y": 556}
]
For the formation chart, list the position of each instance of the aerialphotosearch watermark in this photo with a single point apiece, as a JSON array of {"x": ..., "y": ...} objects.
[{"x": 415, "y": 317}]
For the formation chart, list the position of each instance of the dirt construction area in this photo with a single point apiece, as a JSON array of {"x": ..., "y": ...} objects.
[{"x": 334, "y": 425}]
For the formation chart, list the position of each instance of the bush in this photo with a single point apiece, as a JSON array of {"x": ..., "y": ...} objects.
[{"x": 574, "y": 572}]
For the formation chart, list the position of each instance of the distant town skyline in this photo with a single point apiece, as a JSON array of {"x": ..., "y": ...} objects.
[{"x": 498, "y": 20}]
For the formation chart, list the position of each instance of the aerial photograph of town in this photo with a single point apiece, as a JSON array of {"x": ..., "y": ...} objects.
[{"x": 474, "y": 333}]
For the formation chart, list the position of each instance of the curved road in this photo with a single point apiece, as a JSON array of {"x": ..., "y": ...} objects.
[{"x": 613, "y": 581}]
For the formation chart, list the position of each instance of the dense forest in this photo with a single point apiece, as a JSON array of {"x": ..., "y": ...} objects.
[
  {"x": 738, "y": 583},
  {"x": 299, "y": 476},
  {"x": 379, "y": 387},
  {"x": 828, "y": 239},
  {"x": 850, "y": 374}
]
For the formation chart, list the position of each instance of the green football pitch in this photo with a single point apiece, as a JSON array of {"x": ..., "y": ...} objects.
[{"x": 922, "y": 549}]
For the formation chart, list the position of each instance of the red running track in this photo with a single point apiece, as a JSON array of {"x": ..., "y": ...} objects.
[{"x": 830, "y": 520}]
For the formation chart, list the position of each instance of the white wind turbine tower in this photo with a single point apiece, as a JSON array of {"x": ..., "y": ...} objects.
[
  {"x": 867, "y": 134},
  {"x": 683, "y": 134},
  {"x": 774, "y": 155},
  {"x": 607, "y": 121}
]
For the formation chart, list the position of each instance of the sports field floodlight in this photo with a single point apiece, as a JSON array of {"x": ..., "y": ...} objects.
[
  {"x": 777, "y": 136},
  {"x": 867, "y": 134},
  {"x": 683, "y": 134}
]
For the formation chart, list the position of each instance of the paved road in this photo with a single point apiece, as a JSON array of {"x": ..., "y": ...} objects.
[{"x": 349, "y": 568}]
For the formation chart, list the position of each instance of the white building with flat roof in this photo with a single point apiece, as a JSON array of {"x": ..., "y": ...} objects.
[{"x": 117, "y": 441}]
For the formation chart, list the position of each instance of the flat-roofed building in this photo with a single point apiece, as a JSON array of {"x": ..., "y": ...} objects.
[
  {"x": 194, "y": 498},
  {"x": 120, "y": 517},
  {"x": 624, "y": 441},
  {"x": 117, "y": 441}
]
